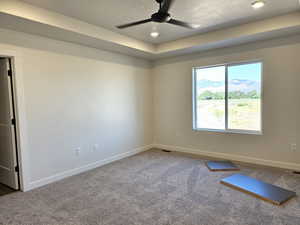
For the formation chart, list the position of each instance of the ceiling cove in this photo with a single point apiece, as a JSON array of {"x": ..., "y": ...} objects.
[{"x": 45, "y": 18}]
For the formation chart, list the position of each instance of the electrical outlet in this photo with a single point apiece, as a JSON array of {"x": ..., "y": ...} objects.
[
  {"x": 77, "y": 151},
  {"x": 293, "y": 147}
]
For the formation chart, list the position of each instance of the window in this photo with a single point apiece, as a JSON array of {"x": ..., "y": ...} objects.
[{"x": 228, "y": 98}]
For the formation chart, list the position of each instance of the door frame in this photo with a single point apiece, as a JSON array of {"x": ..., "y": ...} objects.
[{"x": 20, "y": 116}]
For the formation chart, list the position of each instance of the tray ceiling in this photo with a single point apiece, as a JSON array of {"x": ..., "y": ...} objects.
[{"x": 209, "y": 14}]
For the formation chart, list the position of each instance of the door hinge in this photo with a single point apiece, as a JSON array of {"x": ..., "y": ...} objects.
[
  {"x": 13, "y": 121},
  {"x": 17, "y": 169},
  {"x": 9, "y": 73}
]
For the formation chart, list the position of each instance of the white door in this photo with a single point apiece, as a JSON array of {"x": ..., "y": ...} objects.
[{"x": 8, "y": 154}]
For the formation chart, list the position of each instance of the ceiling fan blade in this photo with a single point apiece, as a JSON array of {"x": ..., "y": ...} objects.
[
  {"x": 133, "y": 24},
  {"x": 166, "y": 5},
  {"x": 183, "y": 24}
]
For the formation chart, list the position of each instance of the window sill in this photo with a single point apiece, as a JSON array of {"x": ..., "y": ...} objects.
[{"x": 229, "y": 131}]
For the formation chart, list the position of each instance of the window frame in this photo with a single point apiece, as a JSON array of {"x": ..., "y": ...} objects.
[{"x": 226, "y": 130}]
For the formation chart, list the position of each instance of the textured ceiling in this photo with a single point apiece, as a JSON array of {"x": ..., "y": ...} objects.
[{"x": 209, "y": 14}]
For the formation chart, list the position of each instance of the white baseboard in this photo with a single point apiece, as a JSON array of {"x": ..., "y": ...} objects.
[
  {"x": 246, "y": 159},
  {"x": 65, "y": 174},
  {"x": 60, "y": 176}
]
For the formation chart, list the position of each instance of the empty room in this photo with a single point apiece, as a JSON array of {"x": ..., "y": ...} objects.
[{"x": 149, "y": 112}]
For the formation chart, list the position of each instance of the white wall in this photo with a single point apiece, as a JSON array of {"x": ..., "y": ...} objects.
[
  {"x": 77, "y": 97},
  {"x": 281, "y": 108}
]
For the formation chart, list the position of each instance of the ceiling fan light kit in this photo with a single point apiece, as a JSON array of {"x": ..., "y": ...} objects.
[
  {"x": 258, "y": 4},
  {"x": 162, "y": 16}
]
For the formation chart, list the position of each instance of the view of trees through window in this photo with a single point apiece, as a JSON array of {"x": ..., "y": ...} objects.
[{"x": 239, "y": 89}]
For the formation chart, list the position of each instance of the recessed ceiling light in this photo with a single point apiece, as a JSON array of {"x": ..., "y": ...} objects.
[
  {"x": 154, "y": 34},
  {"x": 258, "y": 4}
]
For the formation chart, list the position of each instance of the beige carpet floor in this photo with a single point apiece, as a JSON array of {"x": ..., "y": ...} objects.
[{"x": 152, "y": 188}]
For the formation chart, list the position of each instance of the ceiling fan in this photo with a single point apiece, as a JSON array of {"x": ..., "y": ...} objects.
[{"x": 162, "y": 16}]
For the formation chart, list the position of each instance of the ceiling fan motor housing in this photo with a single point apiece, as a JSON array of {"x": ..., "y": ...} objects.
[{"x": 161, "y": 17}]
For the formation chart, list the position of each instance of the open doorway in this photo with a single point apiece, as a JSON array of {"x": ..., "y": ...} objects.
[{"x": 9, "y": 169}]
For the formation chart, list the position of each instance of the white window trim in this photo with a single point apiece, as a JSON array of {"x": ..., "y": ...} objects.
[{"x": 226, "y": 130}]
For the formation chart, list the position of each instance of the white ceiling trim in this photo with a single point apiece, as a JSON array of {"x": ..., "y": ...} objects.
[{"x": 24, "y": 17}]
